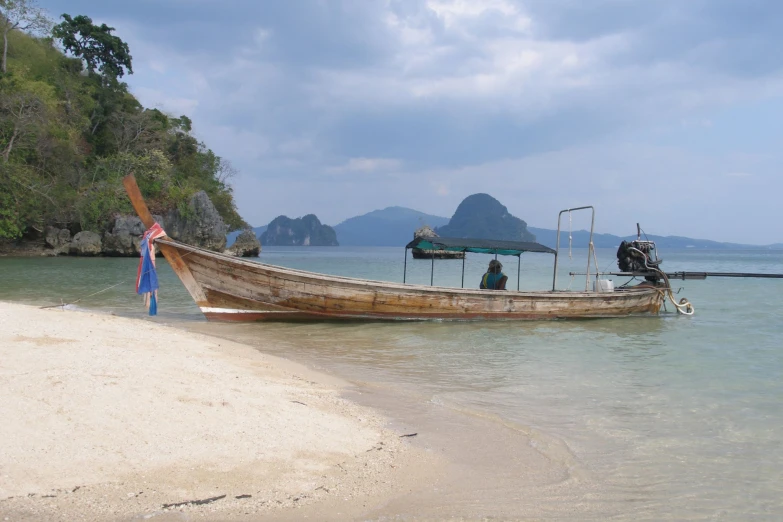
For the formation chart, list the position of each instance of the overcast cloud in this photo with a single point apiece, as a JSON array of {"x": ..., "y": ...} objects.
[{"x": 666, "y": 112}]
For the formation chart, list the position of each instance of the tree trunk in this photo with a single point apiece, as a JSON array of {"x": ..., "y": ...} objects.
[
  {"x": 7, "y": 151},
  {"x": 97, "y": 124},
  {"x": 5, "y": 49}
]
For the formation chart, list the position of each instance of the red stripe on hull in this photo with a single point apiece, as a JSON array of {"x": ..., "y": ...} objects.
[{"x": 250, "y": 316}]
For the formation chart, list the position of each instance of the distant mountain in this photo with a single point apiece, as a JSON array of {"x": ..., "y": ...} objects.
[
  {"x": 581, "y": 238},
  {"x": 230, "y": 238},
  {"x": 303, "y": 231},
  {"x": 484, "y": 217},
  {"x": 392, "y": 226}
]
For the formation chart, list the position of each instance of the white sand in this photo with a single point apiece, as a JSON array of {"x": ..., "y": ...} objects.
[{"x": 108, "y": 418}]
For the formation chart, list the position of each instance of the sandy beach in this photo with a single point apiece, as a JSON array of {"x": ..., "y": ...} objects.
[{"x": 109, "y": 418}]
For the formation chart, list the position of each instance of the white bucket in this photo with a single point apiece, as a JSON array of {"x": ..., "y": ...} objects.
[{"x": 603, "y": 285}]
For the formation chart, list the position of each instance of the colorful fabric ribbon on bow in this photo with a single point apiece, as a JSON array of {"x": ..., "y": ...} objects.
[{"x": 146, "y": 276}]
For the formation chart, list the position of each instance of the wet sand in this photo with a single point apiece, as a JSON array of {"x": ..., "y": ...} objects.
[
  {"x": 490, "y": 468},
  {"x": 109, "y": 418}
]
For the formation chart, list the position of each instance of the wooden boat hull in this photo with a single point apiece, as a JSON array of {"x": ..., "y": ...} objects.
[{"x": 232, "y": 289}]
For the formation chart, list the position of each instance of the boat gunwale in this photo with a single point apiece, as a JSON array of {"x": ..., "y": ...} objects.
[{"x": 388, "y": 285}]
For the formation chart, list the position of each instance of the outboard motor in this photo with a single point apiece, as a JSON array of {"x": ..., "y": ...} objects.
[{"x": 639, "y": 257}]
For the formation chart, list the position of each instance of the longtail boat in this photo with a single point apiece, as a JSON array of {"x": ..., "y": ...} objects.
[{"x": 231, "y": 289}]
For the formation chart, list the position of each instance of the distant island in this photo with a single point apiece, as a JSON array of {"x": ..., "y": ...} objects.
[
  {"x": 484, "y": 217},
  {"x": 304, "y": 231},
  {"x": 581, "y": 239},
  {"x": 481, "y": 215},
  {"x": 390, "y": 226}
]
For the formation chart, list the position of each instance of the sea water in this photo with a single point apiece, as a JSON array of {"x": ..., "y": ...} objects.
[{"x": 667, "y": 417}]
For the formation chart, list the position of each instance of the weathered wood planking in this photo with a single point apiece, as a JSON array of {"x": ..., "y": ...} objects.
[{"x": 236, "y": 289}]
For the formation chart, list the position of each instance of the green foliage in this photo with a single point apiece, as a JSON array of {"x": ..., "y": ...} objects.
[
  {"x": 10, "y": 222},
  {"x": 20, "y": 15},
  {"x": 67, "y": 139},
  {"x": 22, "y": 199},
  {"x": 95, "y": 45}
]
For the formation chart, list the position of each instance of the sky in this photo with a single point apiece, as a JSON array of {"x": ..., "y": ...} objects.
[{"x": 666, "y": 112}]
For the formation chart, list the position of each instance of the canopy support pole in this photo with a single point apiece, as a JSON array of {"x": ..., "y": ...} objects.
[
  {"x": 405, "y": 266},
  {"x": 432, "y": 270},
  {"x": 589, "y": 249},
  {"x": 519, "y": 270},
  {"x": 464, "y": 255}
]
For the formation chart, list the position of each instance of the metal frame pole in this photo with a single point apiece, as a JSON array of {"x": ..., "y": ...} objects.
[
  {"x": 589, "y": 249},
  {"x": 557, "y": 251},
  {"x": 405, "y": 266},
  {"x": 589, "y": 252},
  {"x": 432, "y": 270},
  {"x": 519, "y": 270},
  {"x": 464, "y": 255}
]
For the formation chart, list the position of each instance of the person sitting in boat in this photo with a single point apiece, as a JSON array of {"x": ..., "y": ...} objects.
[{"x": 494, "y": 279}]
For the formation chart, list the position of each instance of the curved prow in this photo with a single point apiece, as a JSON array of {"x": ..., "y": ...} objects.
[
  {"x": 137, "y": 200},
  {"x": 171, "y": 254}
]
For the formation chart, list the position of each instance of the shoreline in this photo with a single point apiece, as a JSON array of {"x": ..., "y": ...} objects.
[
  {"x": 113, "y": 418},
  {"x": 491, "y": 467},
  {"x": 462, "y": 464}
]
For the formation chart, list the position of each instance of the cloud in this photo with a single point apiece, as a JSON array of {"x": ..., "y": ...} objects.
[
  {"x": 457, "y": 90},
  {"x": 157, "y": 66},
  {"x": 368, "y": 165},
  {"x": 155, "y": 98}
]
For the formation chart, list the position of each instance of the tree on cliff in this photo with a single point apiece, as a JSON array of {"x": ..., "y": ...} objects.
[
  {"x": 107, "y": 59},
  {"x": 482, "y": 216},
  {"x": 67, "y": 138},
  {"x": 23, "y": 15},
  {"x": 95, "y": 44}
]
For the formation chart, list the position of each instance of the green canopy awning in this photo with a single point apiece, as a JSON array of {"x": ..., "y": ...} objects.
[{"x": 480, "y": 246}]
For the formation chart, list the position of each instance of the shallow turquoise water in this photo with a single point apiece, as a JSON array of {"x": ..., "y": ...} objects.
[{"x": 670, "y": 417}]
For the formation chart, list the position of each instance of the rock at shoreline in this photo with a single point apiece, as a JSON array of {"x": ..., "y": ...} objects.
[
  {"x": 58, "y": 239},
  {"x": 200, "y": 226},
  {"x": 124, "y": 238},
  {"x": 246, "y": 245},
  {"x": 86, "y": 243}
]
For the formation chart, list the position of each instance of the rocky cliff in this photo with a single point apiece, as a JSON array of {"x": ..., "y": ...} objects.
[
  {"x": 304, "y": 231},
  {"x": 199, "y": 224},
  {"x": 482, "y": 216}
]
